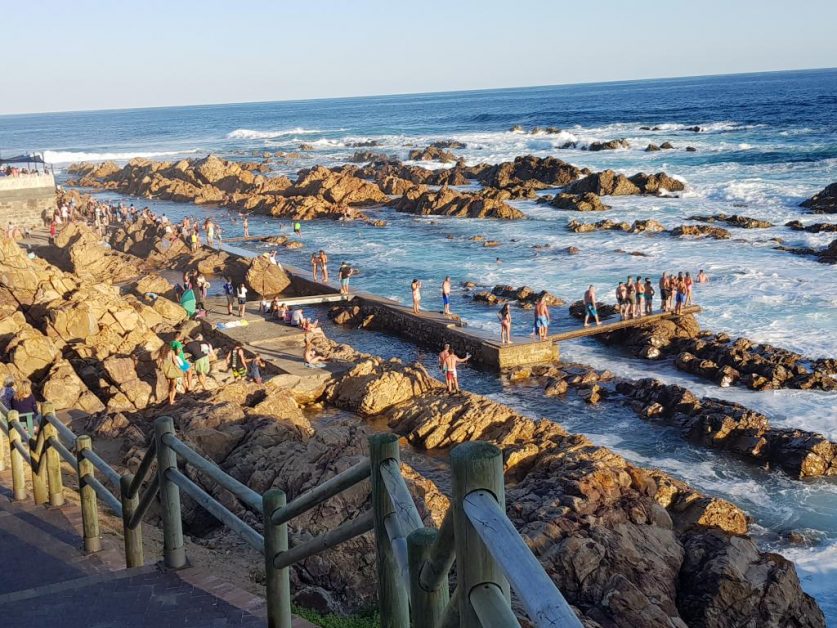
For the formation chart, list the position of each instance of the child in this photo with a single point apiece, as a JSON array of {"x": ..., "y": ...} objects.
[{"x": 256, "y": 364}]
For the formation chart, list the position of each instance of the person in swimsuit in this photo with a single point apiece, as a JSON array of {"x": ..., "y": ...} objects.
[
  {"x": 590, "y": 306},
  {"x": 630, "y": 292},
  {"x": 237, "y": 362},
  {"x": 242, "y": 299},
  {"x": 297, "y": 228},
  {"x": 649, "y": 296},
  {"x": 315, "y": 266},
  {"x": 688, "y": 283},
  {"x": 443, "y": 356},
  {"x": 246, "y": 224},
  {"x": 639, "y": 308},
  {"x": 451, "y": 377},
  {"x": 621, "y": 299},
  {"x": 702, "y": 277},
  {"x": 446, "y": 296},
  {"x": 416, "y": 288},
  {"x": 344, "y": 272},
  {"x": 663, "y": 292},
  {"x": 324, "y": 265},
  {"x": 505, "y": 324},
  {"x": 542, "y": 318},
  {"x": 680, "y": 294},
  {"x": 310, "y": 355}
]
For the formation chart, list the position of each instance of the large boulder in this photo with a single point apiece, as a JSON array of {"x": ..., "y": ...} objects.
[
  {"x": 449, "y": 202},
  {"x": 265, "y": 278},
  {"x": 824, "y": 201}
]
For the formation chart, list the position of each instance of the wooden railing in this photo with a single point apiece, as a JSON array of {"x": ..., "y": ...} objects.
[{"x": 413, "y": 561}]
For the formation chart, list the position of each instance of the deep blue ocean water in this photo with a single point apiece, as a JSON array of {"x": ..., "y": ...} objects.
[{"x": 767, "y": 142}]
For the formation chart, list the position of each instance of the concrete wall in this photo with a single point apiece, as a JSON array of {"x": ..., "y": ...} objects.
[{"x": 24, "y": 199}]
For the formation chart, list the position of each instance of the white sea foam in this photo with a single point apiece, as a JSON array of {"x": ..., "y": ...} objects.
[
  {"x": 250, "y": 134},
  {"x": 68, "y": 157}
]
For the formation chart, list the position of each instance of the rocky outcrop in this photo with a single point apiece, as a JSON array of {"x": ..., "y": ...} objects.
[
  {"x": 588, "y": 202},
  {"x": 449, "y": 144},
  {"x": 615, "y": 538},
  {"x": 612, "y": 183},
  {"x": 817, "y": 227},
  {"x": 432, "y": 153},
  {"x": 81, "y": 251},
  {"x": 734, "y": 220},
  {"x": 448, "y": 202},
  {"x": 530, "y": 171},
  {"x": 265, "y": 278},
  {"x": 758, "y": 366},
  {"x": 731, "y": 426},
  {"x": 525, "y": 296},
  {"x": 654, "y": 339},
  {"x": 701, "y": 231},
  {"x": 824, "y": 201},
  {"x": 638, "y": 226},
  {"x": 609, "y": 145}
]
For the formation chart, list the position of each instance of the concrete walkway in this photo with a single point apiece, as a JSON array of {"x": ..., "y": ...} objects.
[{"x": 46, "y": 580}]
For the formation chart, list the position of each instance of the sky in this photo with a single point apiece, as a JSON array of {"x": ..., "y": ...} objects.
[{"x": 88, "y": 54}]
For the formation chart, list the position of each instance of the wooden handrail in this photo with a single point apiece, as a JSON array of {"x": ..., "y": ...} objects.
[{"x": 340, "y": 534}]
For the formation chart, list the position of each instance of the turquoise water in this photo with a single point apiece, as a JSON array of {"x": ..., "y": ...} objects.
[{"x": 767, "y": 142}]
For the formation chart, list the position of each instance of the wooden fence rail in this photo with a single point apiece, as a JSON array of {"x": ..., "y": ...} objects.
[{"x": 413, "y": 561}]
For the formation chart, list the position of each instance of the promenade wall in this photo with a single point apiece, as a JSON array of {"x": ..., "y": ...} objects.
[{"x": 25, "y": 198}]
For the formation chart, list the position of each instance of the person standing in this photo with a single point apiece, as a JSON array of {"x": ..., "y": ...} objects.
[
  {"x": 324, "y": 265},
  {"x": 680, "y": 294},
  {"x": 23, "y": 400},
  {"x": 446, "y": 296},
  {"x": 688, "y": 283},
  {"x": 649, "y": 296},
  {"x": 664, "y": 292},
  {"x": 200, "y": 350},
  {"x": 639, "y": 309},
  {"x": 297, "y": 228},
  {"x": 246, "y": 224},
  {"x": 315, "y": 266},
  {"x": 505, "y": 324},
  {"x": 257, "y": 363},
  {"x": 416, "y": 288},
  {"x": 451, "y": 376},
  {"x": 590, "y": 306},
  {"x": 630, "y": 291},
  {"x": 621, "y": 299},
  {"x": 229, "y": 292},
  {"x": 542, "y": 318},
  {"x": 237, "y": 362},
  {"x": 242, "y": 299},
  {"x": 345, "y": 272}
]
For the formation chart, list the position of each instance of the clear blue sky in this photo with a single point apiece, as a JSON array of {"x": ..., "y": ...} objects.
[{"x": 85, "y": 54}]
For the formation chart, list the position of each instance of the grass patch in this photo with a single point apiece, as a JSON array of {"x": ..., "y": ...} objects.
[{"x": 366, "y": 619}]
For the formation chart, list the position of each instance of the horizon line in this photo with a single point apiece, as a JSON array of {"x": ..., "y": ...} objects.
[{"x": 400, "y": 94}]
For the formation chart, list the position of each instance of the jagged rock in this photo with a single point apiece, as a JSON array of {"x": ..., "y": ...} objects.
[
  {"x": 651, "y": 148},
  {"x": 824, "y": 201},
  {"x": 432, "y": 153},
  {"x": 448, "y": 202},
  {"x": 531, "y": 171},
  {"x": 265, "y": 278},
  {"x": 734, "y": 220},
  {"x": 449, "y": 144},
  {"x": 638, "y": 226},
  {"x": 666, "y": 146},
  {"x": 701, "y": 231},
  {"x": 610, "y": 145},
  {"x": 525, "y": 295},
  {"x": 579, "y": 202}
]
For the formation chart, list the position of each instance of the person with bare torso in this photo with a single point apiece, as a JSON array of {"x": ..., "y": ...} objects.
[
  {"x": 542, "y": 318},
  {"x": 446, "y": 296},
  {"x": 415, "y": 287},
  {"x": 590, "y": 306},
  {"x": 451, "y": 377}
]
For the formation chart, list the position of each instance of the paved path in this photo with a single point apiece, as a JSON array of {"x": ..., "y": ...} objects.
[{"x": 46, "y": 581}]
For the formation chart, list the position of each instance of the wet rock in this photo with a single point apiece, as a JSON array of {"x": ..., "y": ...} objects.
[
  {"x": 579, "y": 202},
  {"x": 701, "y": 231},
  {"x": 609, "y": 145},
  {"x": 432, "y": 153},
  {"x": 652, "y": 148},
  {"x": 638, "y": 226},
  {"x": 531, "y": 171},
  {"x": 525, "y": 295},
  {"x": 693, "y": 129},
  {"x": 448, "y": 202},
  {"x": 456, "y": 144},
  {"x": 691, "y": 149},
  {"x": 818, "y": 227},
  {"x": 734, "y": 220},
  {"x": 824, "y": 201}
]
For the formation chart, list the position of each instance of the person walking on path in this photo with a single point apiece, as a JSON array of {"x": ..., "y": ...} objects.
[
  {"x": 416, "y": 288},
  {"x": 242, "y": 299},
  {"x": 505, "y": 324},
  {"x": 345, "y": 272},
  {"x": 590, "y": 306},
  {"x": 542, "y": 319},
  {"x": 229, "y": 292},
  {"x": 324, "y": 265},
  {"x": 451, "y": 377},
  {"x": 446, "y": 296}
]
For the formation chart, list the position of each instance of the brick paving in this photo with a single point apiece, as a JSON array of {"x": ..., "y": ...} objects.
[{"x": 46, "y": 580}]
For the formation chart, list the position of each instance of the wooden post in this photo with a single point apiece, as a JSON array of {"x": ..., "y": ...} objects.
[
  {"x": 427, "y": 608},
  {"x": 37, "y": 463},
  {"x": 277, "y": 581},
  {"x": 132, "y": 536},
  {"x": 53, "y": 465},
  {"x": 89, "y": 506},
  {"x": 174, "y": 553},
  {"x": 475, "y": 466},
  {"x": 393, "y": 599},
  {"x": 16, "y": 459}
]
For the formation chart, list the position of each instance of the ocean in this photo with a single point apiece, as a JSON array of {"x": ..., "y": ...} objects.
[{"x": 767, "y": 142}]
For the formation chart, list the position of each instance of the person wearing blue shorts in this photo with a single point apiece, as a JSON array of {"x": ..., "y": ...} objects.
[
  {"x": 446, "y": 296},
  {"x": 590, "y": 306}
]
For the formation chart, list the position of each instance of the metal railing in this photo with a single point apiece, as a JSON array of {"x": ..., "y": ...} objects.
[{"x": 413, "y": 561}]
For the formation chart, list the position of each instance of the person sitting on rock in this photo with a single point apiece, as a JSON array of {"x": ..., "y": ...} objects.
[{"x": 310, "y": 355}]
